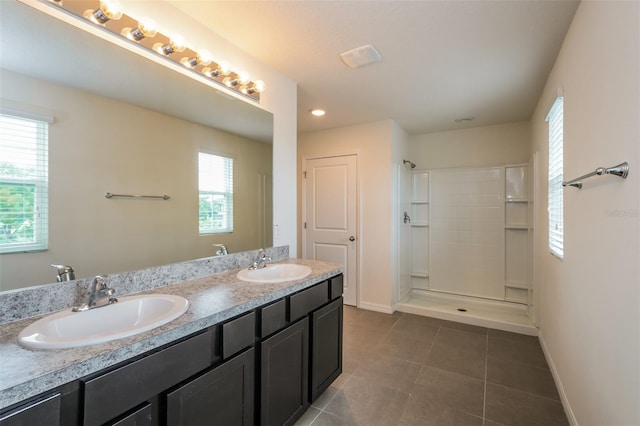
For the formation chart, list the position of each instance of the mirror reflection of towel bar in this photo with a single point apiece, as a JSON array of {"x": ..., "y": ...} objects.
[
  {"x": 162, "y": 197},
  {"x": 621, "y": 170}
]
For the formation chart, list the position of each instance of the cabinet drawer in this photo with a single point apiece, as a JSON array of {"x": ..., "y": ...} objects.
[
  {"x": 45, "y": 412},
  {"x": 115, "y": 392},
  {"x": 238, "y": 334},
  {"x": 307, "y": 300},
  {"x": 336, "y": 287},
  {"x": 273, "y": 317}
]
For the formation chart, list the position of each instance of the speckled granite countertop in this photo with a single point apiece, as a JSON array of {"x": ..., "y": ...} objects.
[{"x": 213, "y": 299}]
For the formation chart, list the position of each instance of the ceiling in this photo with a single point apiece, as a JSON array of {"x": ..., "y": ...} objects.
[{"x": 441, "y": 60}]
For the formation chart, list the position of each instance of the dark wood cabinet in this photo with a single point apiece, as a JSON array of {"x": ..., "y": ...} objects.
[
  {"x": 284, "y": 375},
  {"x": 223, "y": 396},
  {"x": 140, "y": 416},
  {"x": 326, "y": 347},
  {"x": 44, "y": 412},
  {"x": 264, "y": 366},
  {"x": 109, "y": 395}
]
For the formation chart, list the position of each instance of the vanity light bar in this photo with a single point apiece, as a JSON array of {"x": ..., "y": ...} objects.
[{"x": 108, "y": 15}]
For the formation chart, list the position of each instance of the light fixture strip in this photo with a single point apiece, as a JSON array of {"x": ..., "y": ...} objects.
[{"x": 160, "y": 45}]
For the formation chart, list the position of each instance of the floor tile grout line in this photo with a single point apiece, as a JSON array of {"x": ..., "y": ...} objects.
[
  {"x": 520, "y": 363},
  {"x": 316, "y": 417},
  {"x": 525, "y": 392},
  {"x": 323, "y": 410}
]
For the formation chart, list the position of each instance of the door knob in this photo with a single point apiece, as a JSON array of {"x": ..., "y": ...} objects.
[{"x": 352, "y": 238}]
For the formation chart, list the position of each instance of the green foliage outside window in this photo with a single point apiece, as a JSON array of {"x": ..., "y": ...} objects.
[{"x": 17, "y": 212}]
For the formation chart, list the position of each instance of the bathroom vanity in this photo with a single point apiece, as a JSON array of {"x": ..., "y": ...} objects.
[{"x": 243, "y": 354}]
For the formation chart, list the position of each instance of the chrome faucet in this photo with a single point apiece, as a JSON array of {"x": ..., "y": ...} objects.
[
  {"x": 100, "y": 295},
  {"x": 65, "y": 273},
  {"x": 222, "y": 250},
  {"x": 261, "y": 260}
]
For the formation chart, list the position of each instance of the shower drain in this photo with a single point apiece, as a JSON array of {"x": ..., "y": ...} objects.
[{"x": 462, "y": 310}]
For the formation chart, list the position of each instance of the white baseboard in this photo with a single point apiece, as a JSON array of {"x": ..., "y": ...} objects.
[
  {"x": 376, "y": 307},
  {"x": 556, "y": 378}
]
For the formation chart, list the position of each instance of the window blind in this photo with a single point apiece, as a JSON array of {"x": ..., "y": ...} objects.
[
  {"x": 555, "y": 209},
  {"x": 23, "y": 184},
  {"x": 216, "y": 193}
]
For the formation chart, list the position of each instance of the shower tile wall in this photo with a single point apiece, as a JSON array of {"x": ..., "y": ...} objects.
[{"x": 466, "y": 231}]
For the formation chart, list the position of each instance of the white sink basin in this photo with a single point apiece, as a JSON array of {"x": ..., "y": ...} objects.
[
  {"x": 131, "y": 315},
  {"x": 275, "y": 273}
]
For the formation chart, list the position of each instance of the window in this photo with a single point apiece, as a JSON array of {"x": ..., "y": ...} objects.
[
  {"x": 23, "y": 184},
  {"x": 216, "y": 193},
  {"x": 556, "y": 222}
]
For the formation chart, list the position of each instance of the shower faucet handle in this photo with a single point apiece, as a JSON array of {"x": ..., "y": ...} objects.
[{"x": 407, "y": 218}]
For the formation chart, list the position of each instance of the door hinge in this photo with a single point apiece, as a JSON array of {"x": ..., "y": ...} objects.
[
  {"x": 304, "y": 174},
  {"x": 305, "y": 225}
]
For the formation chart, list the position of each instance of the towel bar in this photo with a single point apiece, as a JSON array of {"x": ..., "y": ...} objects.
[
  {"x": 621, "y": 170},
  {"x": 162, "y": 197}
]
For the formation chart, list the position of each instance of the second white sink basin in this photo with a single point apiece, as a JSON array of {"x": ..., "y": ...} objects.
[
  {"x": 275, "y": 273},
  {"x": 129, "y": 316}
]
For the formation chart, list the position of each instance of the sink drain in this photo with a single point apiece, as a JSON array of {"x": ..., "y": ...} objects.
[{"x": 462, "y": 310}]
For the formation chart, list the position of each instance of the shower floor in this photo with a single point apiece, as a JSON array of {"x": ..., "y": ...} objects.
[{"x": 504, "y": 316}]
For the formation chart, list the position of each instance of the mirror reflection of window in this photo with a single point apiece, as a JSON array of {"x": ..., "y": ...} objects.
[
  {"x": 215, "y": 183},
  {"x": 23, "y": 184}
]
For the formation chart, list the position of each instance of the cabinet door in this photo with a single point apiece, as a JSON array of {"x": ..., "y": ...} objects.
[
  {"x": 222, "y": 396},
  {"x": 142, "y": 416},
  {"x": 326, "y": 347},
  {"x": 45, "y": 412},
  {"x": 284, "y": 375}
]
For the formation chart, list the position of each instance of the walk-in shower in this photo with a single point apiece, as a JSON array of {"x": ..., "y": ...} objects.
[{"x": 471, "y": 247}]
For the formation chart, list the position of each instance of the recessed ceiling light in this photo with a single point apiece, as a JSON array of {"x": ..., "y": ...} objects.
[
  {"x": 464, "y": 119},
  {"x": 318, "y": 112}
]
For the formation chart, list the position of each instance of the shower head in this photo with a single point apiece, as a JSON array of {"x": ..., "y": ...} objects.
[{"x": 413, "y": 166}]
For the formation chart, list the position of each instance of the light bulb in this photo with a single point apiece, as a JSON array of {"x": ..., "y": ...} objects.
[
  {"x": 176, "y": 44},
  {"x": 146, "y": 28},
  {"x": 243, "y": 77},
  {"x": 251, "y": 88},
  {"x": 204, "y": 57},
  {"x": 318, "y": 112},
  {"x": 109, "y": 9},
  {"x": 211, "y": 73},
  {"x": 225, "y": 67},
  {"x": 230, "y": 82}
]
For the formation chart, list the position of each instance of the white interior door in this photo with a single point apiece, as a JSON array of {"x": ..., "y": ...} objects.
[{"x": 331, "y": 216}]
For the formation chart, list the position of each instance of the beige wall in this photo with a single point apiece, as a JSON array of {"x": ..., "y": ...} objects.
[
  {"x": 98, "y": 145},
  {"x": 280, "y": 98},
  {"x": 474, "y": 147},
  {"x": 372, "y": 142},
  {"x": 589, "y": 302}
]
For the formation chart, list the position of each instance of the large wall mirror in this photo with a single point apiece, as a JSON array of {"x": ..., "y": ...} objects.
[{"x": 126, "y": 125}]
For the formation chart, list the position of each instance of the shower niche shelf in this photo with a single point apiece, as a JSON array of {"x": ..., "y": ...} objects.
[
  {"x": 420, "y": 229},
  {"x": 516, "y": 233}
]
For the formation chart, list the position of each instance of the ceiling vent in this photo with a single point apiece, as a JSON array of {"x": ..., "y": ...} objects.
[{"x": 361, "y": 56}]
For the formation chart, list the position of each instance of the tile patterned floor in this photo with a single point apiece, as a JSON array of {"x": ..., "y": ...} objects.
[{"x": 405, "y": 369}]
